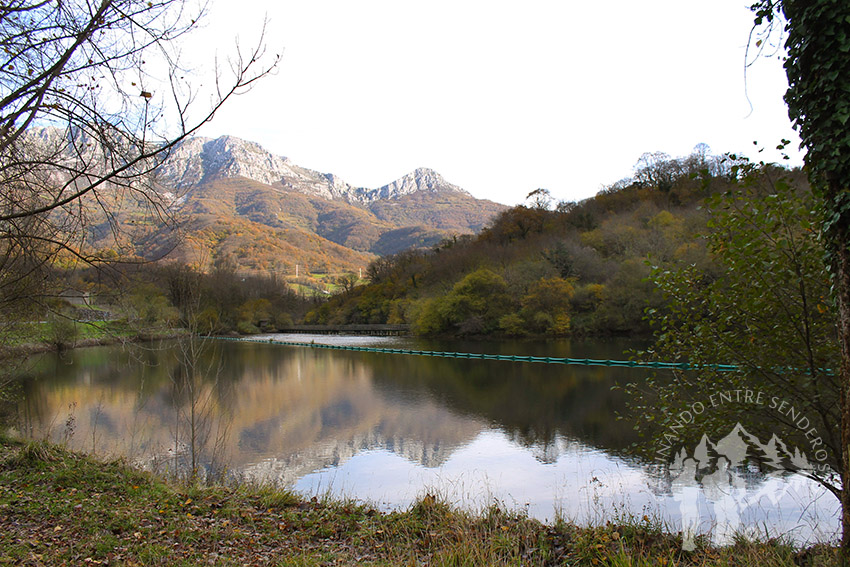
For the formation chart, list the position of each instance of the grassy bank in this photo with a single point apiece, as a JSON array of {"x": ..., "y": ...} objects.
[
  {"x": 61, "y": 508},
  {"x": 29, "y": 338}
]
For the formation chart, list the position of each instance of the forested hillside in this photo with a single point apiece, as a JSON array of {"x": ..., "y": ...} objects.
[{"x": 539, "y": 269}]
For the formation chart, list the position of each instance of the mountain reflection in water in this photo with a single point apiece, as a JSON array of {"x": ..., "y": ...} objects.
[{"x": 387, "y": 428}]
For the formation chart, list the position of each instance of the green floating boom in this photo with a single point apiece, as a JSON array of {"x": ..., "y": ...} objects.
[{"x": 505, "y": 357}]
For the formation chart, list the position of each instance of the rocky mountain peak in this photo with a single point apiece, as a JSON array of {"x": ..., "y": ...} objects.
[
  {"x": 425, "y": 179},
  {"x": 201, "y": 159},
  {"x": 422, "y": 179}
]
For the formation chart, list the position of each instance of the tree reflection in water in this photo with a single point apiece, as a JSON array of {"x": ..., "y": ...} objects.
[{"x": 377, "y": 426}]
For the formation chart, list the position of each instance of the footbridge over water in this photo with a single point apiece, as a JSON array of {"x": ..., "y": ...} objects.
[{"x": 371, "y": 330}]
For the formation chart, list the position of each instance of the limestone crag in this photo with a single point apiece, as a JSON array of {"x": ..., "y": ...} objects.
[
  {"x": 422, "y": 179},
  {"x": 199, "y": 160}
]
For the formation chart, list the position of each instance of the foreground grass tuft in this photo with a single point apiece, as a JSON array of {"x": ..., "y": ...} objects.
[{"x": 61, "y": 508}]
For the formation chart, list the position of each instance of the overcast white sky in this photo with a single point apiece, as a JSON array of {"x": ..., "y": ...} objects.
[{"x": 500, "y": 97}]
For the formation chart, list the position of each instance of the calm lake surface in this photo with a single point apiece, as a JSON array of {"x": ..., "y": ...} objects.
[{"x": 386, "y": 429}]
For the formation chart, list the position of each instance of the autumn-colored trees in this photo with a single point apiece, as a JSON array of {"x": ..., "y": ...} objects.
[
  {"x": 474, "y": 306},
  {"x": 547, "y": 305},
  {"x": 577, "y": 268}
]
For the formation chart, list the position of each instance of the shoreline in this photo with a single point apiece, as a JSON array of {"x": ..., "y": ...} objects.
[
  {"x": 59, "y": 507},
  {"x": 32, "y": 348}
]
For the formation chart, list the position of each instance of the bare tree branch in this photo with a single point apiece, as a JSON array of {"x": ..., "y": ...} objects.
[{"x": 93, "y": 98}]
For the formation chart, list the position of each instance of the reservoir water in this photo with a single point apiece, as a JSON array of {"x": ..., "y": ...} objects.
[{"x": 386, "y": 429}]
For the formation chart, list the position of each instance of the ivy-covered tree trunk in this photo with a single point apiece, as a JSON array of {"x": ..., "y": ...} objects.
[
  {"x": 839, "y": 239},
  {"x": 818, "y": 97}
]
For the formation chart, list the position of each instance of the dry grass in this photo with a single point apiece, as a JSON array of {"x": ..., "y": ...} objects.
[{"x": 61, "y": 508}]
